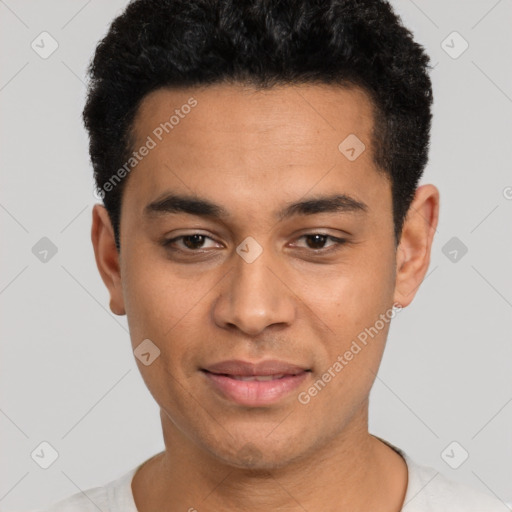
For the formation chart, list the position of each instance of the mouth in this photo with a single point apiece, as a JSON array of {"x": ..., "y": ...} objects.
[
  {"x": 259, "y": 378},
  {"x": 253, "y": 384}
]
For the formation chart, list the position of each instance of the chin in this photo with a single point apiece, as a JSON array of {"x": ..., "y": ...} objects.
[{"x": 258, "y": 457}]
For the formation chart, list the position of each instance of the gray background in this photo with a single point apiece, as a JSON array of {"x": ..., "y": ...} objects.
[{"x": 67, "y": 373}]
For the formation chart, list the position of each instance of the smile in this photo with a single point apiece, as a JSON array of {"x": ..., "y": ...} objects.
[{"x": 255, "y": 390}]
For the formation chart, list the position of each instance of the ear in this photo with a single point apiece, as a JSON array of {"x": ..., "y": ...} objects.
[
  {"x": 413, "y": 252},
  {"x": 107, "y": 257}
]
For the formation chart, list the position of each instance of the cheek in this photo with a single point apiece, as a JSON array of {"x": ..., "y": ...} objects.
[
  {"x": 169, "y": 308},
  {"x": 352, "y": 295},
  {"x": 160, "y": 307},
  {"x": 152, "y": 303},
  {"x": 153, "y": 294},
  {"x": 358, "y": 317},
  {"x": 358, "y": 310}
]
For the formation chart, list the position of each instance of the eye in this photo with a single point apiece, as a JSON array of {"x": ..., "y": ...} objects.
[
  {"x": 191, "y": 242},
  {"x": 316, "y": 241}
]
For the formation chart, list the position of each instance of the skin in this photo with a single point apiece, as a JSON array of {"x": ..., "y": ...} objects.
[{"x": 253, "y": 152}]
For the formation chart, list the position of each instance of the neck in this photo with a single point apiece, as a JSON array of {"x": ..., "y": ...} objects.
[{"x": 352, "y": 471}]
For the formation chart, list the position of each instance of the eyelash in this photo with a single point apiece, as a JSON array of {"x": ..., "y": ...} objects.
[{"x": 337, "y": 245}]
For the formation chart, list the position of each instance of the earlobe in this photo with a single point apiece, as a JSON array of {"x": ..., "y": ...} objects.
[
  {"x": 107, "y": 257},
  {"x": 114, "y": 309},
  {"x": 413, "y": 253}
]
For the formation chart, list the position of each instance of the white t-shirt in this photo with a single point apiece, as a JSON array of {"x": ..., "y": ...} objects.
[{"x": 427, "y": 491}]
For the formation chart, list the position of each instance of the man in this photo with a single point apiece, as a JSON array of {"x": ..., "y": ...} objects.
[{"x": 259, "y": 165}]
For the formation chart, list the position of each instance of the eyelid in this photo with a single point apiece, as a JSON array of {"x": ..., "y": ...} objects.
[
  {"x": 337, "y": 240},
  {"x": 168, "y": 242}
]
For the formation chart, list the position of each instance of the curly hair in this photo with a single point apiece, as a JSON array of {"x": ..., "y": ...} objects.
[{"x": 185, "y": 43}]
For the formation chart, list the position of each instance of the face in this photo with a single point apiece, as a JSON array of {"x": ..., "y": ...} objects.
[{"x": 280, "y": 246}]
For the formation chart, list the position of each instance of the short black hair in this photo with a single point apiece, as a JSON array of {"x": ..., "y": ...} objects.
[{"x": 158, "y": 44}]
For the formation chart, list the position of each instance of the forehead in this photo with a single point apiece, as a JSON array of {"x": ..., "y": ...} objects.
[
  {"x": 243, "y": 112},
  {"x": 235, "y": 139}
]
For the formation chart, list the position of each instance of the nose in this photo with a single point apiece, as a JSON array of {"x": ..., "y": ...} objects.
[{"x": 254, "y": 296}]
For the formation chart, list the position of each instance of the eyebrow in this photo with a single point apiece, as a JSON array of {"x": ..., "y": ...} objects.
[{"x": 201, "y": 207}]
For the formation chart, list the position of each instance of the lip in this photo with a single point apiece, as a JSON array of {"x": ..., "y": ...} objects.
[
  {"x": 238, "y": 367},
  {"x": 225, "y": 379}
]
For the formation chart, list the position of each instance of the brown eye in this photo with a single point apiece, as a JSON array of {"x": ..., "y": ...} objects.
[
  {"x": 188, "y": 243},
  {"x": 193, "y": 241},
  {"x": 316, "y": 241}
]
